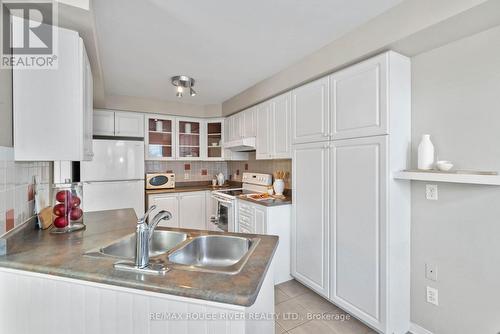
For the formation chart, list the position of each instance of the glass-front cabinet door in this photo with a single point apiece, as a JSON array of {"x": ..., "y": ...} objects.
[
  {"x": 160, "y": 137},
  {"x": 189, "y": 139},
  {"x": 215, "y": 139}
]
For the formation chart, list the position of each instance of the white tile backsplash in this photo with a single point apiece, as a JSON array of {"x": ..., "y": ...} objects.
[
  {"x": 196, "y": 170},
  {"x": 16, "y": 180}
]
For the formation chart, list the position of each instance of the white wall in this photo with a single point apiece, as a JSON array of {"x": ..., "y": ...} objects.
[
  {"x": 150, "y": 105},
  {"x": 456, "y": 98},
  {"x": 411, "y": 27}
]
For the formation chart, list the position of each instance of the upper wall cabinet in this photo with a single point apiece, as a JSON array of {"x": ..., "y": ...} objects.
[
  {"x": 310, "y": 112},
  {"x": 190, "y": 138},
  {"x": 104, "y": 123},
  {"x": 118, "y": 123},
  {"x": 359, "y": 99},
  {"x": 280, "y": 129},
  {"x": 263, "y": 141},
  {"x": 250, "y": 122},
  {"x": 273, "y": 128},
  {"x": 129, "y": 124},
  {"x": 214, "y": 138},
  {"x": 160, "y": 137},
  {"x": 53, "y": 108}
]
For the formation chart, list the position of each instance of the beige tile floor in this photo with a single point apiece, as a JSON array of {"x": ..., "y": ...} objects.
[{"x": 292, "y": 298}]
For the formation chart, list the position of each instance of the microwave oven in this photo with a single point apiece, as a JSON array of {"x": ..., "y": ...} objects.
[{"x": 160, "y": 181}]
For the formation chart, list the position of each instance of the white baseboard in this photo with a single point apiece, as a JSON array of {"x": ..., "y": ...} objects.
[{"x": 416, "y": 329}]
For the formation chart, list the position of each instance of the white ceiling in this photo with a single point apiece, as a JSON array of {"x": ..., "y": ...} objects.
[{"x": 226, "y": 45}]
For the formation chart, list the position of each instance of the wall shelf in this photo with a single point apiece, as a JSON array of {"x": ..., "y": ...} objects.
[{"x": 485, "y": 178}]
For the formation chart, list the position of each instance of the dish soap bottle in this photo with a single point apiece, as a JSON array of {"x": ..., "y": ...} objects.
[{"x": 425, "y": 153}]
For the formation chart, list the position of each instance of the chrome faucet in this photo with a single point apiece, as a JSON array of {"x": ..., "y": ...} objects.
[{"x": 144, "y": 235}]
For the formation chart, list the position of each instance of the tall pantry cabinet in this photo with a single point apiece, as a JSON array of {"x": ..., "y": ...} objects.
[{"x": 351, "y": 221}]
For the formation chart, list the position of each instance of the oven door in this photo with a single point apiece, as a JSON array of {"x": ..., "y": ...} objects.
[{"x": 224, "y": 216}]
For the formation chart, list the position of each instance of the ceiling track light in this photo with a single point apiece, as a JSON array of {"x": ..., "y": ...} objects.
[{"x": 183, "y": 82}]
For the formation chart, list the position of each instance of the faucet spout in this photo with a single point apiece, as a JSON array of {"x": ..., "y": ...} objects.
[{"x": 162, "y": 215}]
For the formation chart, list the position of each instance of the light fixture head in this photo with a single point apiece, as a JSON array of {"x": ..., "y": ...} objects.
[{"x": 181, "y": 82}]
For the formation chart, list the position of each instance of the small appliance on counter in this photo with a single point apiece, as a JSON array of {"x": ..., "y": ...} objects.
[{"x": 160, "y": 181}]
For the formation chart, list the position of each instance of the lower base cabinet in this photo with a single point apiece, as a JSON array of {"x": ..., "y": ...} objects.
[
  {"x": 188, "y": 209},
  {"x": 258, "y": 219}
]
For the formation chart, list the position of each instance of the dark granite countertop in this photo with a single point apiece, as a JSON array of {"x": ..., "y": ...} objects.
[{"x": 62, "y": 255}]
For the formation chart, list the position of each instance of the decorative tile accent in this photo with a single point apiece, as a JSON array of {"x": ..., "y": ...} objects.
[
  {"x": 31, "y": 193},
  {"x": 9, "y": 220},
  {"x": 187, "y": 166},
  {"x": 204, "y": 172},
  {"x": 246, "y": 166}
]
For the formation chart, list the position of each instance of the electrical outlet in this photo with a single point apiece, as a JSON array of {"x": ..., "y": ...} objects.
[
  {"x": 431, "y": 192},
  {"x": 432, "y": 296},
  {"x": 431, "y": 272},
  {"x": 186, "y": 176}
]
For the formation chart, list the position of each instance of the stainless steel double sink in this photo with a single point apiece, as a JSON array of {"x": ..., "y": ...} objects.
[{"x": 177, "y": 250}]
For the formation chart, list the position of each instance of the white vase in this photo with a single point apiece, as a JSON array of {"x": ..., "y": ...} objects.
[
  {"x": 159, "y": 126},
  {"x": 425, "y": 153},
  {"x": 279, "y": 187}
]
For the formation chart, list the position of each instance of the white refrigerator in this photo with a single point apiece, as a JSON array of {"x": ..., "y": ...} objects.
[{"x": 114, "y": 179}]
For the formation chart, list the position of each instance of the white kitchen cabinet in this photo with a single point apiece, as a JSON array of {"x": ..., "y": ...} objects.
[
  {"x": 188, "y": 209},
  {"x": 214, "y": 132},
  {"x": 190, "y": 138},
  {"x": 53, "y": 108},
  {"x": 104, "y": 122},
  {"x": 254, "y": 218},
  {"x": 344, "y": 190},
  {"x": 118, "y": 123},
  {"x": 168, "y": 202},
  {"x": 237, "y": 123},
  {"x": 250, "y": 122},
  {"x": 192, "y": 210},
  {"x": 280, "y": 129},
  {"x": 263, "y": 142},
  {"x": 310, "y": 222},
  {"x": 160, "y": 137},
  {"x": 273, "y": 128},
  {"x": 129, "y": 124},
  {"x": 361, "y": 96},
  {"x": 359, "y": 226},
  {"x": 311, "y": 112}
]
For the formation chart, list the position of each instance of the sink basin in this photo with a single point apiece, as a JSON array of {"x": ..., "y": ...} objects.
[
  {"x": 214, "y": 253},
  {"x": 161, "y": 243}
]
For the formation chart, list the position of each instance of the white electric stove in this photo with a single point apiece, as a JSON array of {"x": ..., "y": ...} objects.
[{"x": 225, "y": 218}]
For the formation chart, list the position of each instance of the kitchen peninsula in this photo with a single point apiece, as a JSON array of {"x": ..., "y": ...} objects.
[{"x": 49, "y": 277}]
